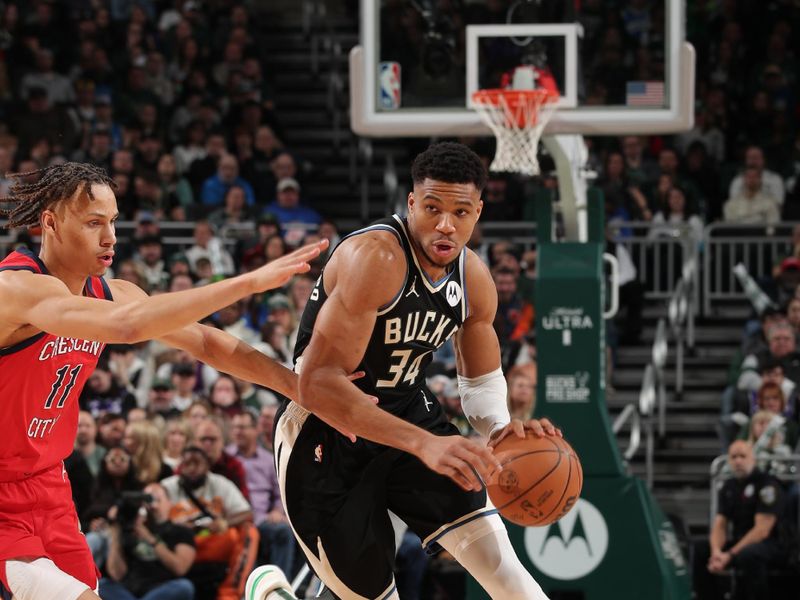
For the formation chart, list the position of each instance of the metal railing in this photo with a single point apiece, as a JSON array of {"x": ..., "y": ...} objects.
[
  {"x": 659, "y": 253},
  {"x": 629, "y": 413},
  {"x": 758, "y": 248}
]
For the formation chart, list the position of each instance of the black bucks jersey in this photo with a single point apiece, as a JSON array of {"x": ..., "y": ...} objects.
[{"x": 420, "y": 318}]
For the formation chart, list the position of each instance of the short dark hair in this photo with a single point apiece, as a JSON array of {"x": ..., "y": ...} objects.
[
  {"x": 192, "y": 449},
  {"x": 247, "y": 412},
  {"x": 449, "y": 162},
  {"x": 55, "y": 184}
]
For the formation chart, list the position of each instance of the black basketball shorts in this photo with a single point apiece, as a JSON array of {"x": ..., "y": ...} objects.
[{"x": 337, "y": 494}]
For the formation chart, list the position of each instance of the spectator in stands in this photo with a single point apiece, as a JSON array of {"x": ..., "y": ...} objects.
[
  {"x": 227, "y": 175},
  {"x": 767, "y": 434},
  {"x": 58, "y": 88},
  {"x": 150, "y": 261},
  {"x": 104, "y": 117},
  {"x": 174, "y": 188},
  {"x": 676, "y": 213},
  {"x": 282, "y": 166},
  {"x": 224, "y": 397},
  {"x": 142, "y": 440},
  {"x": 177, "y": 436},
  {"x": 253, "y": 396},
  {"x": 793, "y": 251},
  {"x": 103, "y": 393},
  {"x": 208, "y": 246},
  {"x": 752, "y": 204},
  {"x": 117, "y": 475},
  {"x": 793, "y": 313},
  {"x": 266, "y": 423},
  {"x": 771, "y": 184},
  {"x": 752, "y": 504},
  {"x": 216, "y": 510},
  {"x": 669, "y": 163},
  {"x": 199, "y": 411},
  {"x": 522, "y": 391},
  {"x": 209, "y": 437},
  {"x": 266, "y": 146},
  {"x": 86, "y": 442},
  {"x": 782, "y": 345},
  {"x": 41, "y": 121},
  {"x": 110, "y": 430},
  {"x": 754, "y": 339},
  {"x": 640, "y": 170},
  {"x": 192, "y": 147},
  {"x": 234, "y": 211},
  {"x": 99, "y": 149},
  {"x": 201, "y": 168},
  {"x": 277, "y": 542},
  {"x": 450, "y": 400},
  {"x": 770, "y": 398},
  {"x": 703, "y": 174},
  {"x": 232, "y": 320},
  {"x": 295, "y": 219},
  {"x": 514, "y": 318},
  {"x": 501, "y": 201},
  {"x": 160, "y": 401},
  {"x": 706, "y": 134},
  {"x": 6, "y": 164},
  {"x": 184, "y": 379},
  {"x": 150, "y": 558}
]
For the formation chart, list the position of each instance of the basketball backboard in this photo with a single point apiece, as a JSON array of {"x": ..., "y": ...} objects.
[{"x": 620, "y": 67}]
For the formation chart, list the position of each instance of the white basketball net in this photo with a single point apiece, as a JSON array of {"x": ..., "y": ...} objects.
[{"x": 517, "y": 119}]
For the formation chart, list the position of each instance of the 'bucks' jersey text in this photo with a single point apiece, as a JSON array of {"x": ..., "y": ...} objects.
[{"x": 421, "y": 317}]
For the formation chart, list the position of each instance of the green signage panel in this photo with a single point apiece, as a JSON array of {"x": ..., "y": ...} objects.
[
  {"x": 571, "y": 356},
  {"x": 615, "y": 544}
]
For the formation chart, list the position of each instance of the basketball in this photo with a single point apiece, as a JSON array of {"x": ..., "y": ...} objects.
[{"x": 540, "y": 482}]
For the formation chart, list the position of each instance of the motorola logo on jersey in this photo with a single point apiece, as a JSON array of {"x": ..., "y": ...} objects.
[
  {"x": 572, "y": 547},
  {"x": 453, "y": 293}
]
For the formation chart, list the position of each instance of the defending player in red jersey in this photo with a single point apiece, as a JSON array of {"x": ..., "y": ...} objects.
[{"x": 56, "y": 314}]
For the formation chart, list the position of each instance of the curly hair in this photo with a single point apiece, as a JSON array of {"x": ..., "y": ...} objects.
[
  {"x": 56, "y": 183},
  {"x": 450, "y": 162}
]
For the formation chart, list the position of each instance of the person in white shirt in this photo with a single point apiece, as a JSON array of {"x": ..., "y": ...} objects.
[
  {"x": 207, "y": 245},
  {"x": 754, "y": 204},
  {"x": 771, "y": 182}
]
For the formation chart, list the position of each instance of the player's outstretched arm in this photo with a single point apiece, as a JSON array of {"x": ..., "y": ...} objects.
[
  {"x": 46, "y": 303},
  {"x": 481, "y": 383},
  {"x": 365, "y": 273}
]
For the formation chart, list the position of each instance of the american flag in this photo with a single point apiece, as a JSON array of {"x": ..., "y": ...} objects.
[{"x": 644, "y": 93}]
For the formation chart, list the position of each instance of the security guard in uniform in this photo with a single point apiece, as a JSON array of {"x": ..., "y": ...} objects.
[{"x": 751, "y": 505}]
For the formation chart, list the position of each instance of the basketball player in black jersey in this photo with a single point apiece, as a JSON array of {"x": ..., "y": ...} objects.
[{"x": 390, "y": 295}]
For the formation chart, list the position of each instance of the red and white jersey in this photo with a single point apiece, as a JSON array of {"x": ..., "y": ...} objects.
[{"x": 41, "y": 378}]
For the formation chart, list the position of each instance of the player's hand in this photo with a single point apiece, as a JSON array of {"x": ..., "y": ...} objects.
[
  {"x": 276, "y": 273},
  {"x": 464, "y": 461},
  {"x": 539, "y": 427}
]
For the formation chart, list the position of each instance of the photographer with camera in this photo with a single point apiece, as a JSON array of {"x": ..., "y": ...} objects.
[
  {"x": 148, "y": 554},
  {"x": 225, "y": 537}
]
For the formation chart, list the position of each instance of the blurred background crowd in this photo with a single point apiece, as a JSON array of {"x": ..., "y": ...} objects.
[{"x": 175, "y": 99}]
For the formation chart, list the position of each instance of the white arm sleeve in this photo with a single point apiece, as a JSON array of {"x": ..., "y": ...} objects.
[{"x": 484, "y": 401}]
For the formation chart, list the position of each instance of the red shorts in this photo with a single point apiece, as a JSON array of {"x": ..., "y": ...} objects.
[{"x": 38, "y": 519}]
